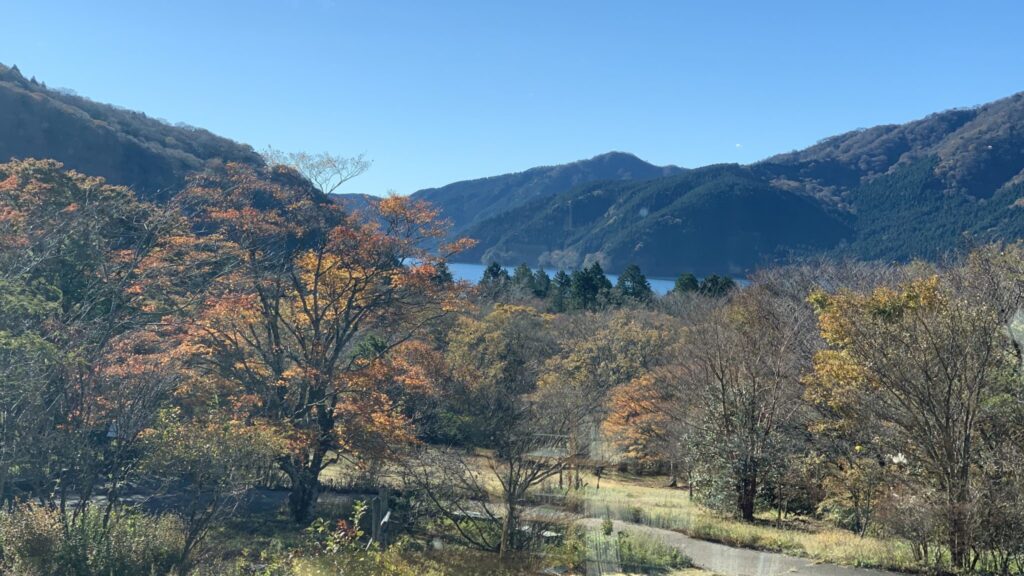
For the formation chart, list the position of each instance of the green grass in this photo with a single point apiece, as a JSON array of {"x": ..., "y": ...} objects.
[{"x": 634, "y": 554}]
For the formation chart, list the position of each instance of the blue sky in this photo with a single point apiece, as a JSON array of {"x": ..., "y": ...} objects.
[{"x": 435, "y": 92}]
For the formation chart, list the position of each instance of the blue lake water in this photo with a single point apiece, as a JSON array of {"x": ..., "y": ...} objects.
[{"x": 474, "y": 272}]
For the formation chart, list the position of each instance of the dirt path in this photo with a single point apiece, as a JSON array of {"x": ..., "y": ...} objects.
[{"x": 730, "y": 561}]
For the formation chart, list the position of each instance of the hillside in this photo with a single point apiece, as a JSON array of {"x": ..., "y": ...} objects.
[
  {"x": 895, "y": 192},
  {"x": 715, "y": 219},
  {"x": 472, "y": 201},
  {"x": 125, "y": 147}
]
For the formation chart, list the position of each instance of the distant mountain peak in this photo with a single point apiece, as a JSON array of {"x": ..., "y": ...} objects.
[
  {"x": 894, "y": 192},
  {"x": 470, "y": 201}
]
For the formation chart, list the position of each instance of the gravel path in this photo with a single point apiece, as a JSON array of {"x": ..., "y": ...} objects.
[{"x": 730, "y": 561}]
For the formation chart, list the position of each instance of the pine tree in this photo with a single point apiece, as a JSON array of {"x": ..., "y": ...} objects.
[
  {"x": 686, "y": 282},
  {"x": 633, "y": 285},
  {"x": 541, "y": 284}
]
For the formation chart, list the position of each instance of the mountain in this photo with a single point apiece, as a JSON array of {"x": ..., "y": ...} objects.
[
  {"x": 723, "y": 219},
  {"x": 471, "y": 201},
  {"x": 356, "y": 202},
  {"x": 893, "y": 193},
  {"x": 127, "y": 148}
]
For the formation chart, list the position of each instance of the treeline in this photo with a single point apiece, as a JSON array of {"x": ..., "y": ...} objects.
[
  {"x": 587, "y": 288},
  {"x": 880, "y": 398}
]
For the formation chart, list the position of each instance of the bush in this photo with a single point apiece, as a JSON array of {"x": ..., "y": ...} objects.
[
  {"x": 572, "y": 552},
  {"x": 29, "y": 536},
  {"x": 648, "y": 555},
  {"x": 636, "y": 515},
  {"x": 39, "y": 541}
]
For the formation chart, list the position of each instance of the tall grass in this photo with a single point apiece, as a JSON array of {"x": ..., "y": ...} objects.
[
  {"x": 631, "y": 554},
  {"x": 671, "y": 509}
]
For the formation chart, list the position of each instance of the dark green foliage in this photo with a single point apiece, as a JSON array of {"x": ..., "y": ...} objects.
[
  {"x": 559, "y": 291},
  {"x": 541, "y": 284},
  {"x": 898, "y": 192},
  {"x": 719, "y": 219},
  {"x": 495, "y": 280},
  {"x": 716, "y": 286},
  {"x": 589, "y": 288},
  {"x": 685, "y": 283},
  {"x": 443, "y": 275},
  {"x": 522, "y": 279},
  {"x": 633, "y": 285}
]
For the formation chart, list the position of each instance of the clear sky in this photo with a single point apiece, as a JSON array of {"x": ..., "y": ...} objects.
[{"x": 438, "y": 91}]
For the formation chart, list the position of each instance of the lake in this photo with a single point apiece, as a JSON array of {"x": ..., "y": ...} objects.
[{"x": 474, "y": 272}]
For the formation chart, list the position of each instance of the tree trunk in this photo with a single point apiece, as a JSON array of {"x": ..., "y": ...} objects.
[
  {"x": 958, "y": 538},
  {"x": 305, "y": 488},
  {"x": 959, "y": 525},
  {"x": 747, "y": 495},
  {"x": 508, "y": 528},
  {"x": 304, "y": 495}
]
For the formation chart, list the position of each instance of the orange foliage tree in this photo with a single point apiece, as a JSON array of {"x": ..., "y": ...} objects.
[
  {"x": 297, "y": 328},
  {"x": 83, "y": 362}
]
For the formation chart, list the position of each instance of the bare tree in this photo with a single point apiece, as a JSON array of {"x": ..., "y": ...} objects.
[
  {"x": 325, "y": 170},
  {"x": 738, "y": 366}
]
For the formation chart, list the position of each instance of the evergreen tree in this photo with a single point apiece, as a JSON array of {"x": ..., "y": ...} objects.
[
  {"x": 560, "y": 289},
  {"x": 442, "y": 275},
  {"x": 686, "y": 282},
  {"x": 541, "y": 284},
  {"x": 600, "y": 280},
  {"x": 522, "y": 280},
  {"x": 716, "y": 286},
  {"x": 633, "y": 285},
  {"x": 589, "y": 288},
  {"x": 495, "y": 281}
]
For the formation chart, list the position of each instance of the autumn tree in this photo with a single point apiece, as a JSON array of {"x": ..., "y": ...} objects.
[
  {"x": 925, "y": 358},
  {"x": 313, "y": 299},
  {"x": 496, "y": 362},
  {"x": 598, "y": 354},
  {"x": 646, "y": 420},
  {"x": 84, "y": 365}
]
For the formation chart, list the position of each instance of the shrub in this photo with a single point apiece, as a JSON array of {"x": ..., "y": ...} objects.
[
  {"x": 572, "y": 552},
  {"x": 29, "y": 536},
  {"x": 636, "y": 514},
  {"x": 649, "y": 555},
  {"x": 39, "y": 541}
]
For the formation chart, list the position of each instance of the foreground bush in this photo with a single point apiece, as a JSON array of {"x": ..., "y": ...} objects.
[{"x": 40, "y": 541}]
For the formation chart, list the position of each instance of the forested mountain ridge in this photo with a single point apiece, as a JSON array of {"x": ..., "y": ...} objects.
[
  {"x": 126, "y": 148},
  {"x": 891, "y": 193},
  {"x": 894, "y": 192},
  {"x": 469, "y": 202},
  {"x": 715, "y": 219}
]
